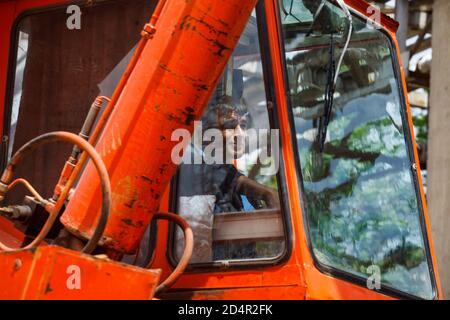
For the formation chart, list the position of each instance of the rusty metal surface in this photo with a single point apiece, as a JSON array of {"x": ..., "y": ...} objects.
[{"x": 47, "y": 273}]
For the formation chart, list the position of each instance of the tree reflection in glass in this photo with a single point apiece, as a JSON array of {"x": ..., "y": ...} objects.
[{"x": 359, "y": 192}]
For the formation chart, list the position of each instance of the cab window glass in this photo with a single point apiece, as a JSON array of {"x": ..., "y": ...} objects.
[
  {"x": 58, "y": 72},
  {"x": 227, "y": 185}
]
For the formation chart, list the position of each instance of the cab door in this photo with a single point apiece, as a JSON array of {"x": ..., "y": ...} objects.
[
  {"x": 354, "y": 215},
  {"x": 243, "y": 243},
  {"x": 363, "y": 207}
]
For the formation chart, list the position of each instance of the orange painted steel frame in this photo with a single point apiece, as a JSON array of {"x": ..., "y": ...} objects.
[
  {"x": 297, "y": 277},
  {"x": 49, "y": 273}
]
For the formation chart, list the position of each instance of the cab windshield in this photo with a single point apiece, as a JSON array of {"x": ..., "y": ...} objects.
[{"x": 360, "y": 192}]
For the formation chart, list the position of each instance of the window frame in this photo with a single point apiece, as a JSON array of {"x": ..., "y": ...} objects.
[
  {"x": 334, "y": 271},
  {"x": 231, "y": 265},
  {"x": 12, "y": 65}
]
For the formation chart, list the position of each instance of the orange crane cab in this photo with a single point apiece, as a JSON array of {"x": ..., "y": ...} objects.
[{"x": 325, "y": 201}]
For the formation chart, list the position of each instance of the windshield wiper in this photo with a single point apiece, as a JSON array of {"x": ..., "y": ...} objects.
[
  {"x": 329, "y": 96},
  {"x": 332, "y": 76}
]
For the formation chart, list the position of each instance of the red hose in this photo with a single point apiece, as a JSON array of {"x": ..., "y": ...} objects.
[{"x": 187, "y": 253}]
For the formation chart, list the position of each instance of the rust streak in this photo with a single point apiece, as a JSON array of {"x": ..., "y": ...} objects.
[
  {"x": 188, "y": 21},
  {"x": 133, "y": 200},
  {"x": 48, "y": 288}
]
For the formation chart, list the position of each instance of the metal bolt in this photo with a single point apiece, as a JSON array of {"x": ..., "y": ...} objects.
[
  {"x": 101, "y": 257},
  {"x": 18, "y": 264}
]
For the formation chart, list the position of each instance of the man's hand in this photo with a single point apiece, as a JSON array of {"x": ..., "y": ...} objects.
[{"x": 255, "y": 190}]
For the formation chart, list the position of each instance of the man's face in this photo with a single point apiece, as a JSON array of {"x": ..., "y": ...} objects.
[{"x": 234, "y": 131}]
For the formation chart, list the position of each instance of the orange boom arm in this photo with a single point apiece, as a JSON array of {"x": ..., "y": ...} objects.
[{"x": 155, "y": 97}]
